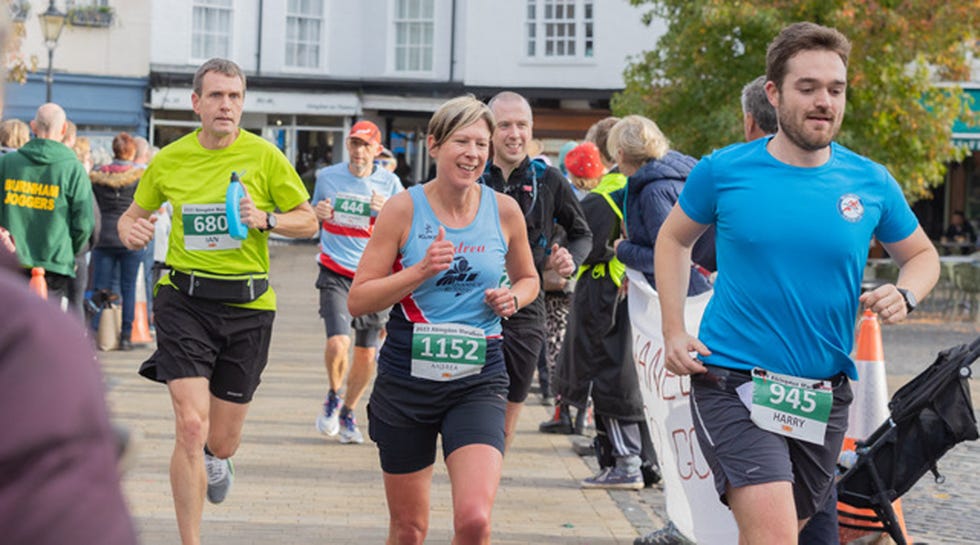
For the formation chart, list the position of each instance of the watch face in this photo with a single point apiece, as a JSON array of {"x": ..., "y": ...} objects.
[
  {"x": 910, "y": 302},
  {"x": 271, "y": 219}
]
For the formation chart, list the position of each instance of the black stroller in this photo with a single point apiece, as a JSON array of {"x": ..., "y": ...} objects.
[{"x": 929, "y": 415}]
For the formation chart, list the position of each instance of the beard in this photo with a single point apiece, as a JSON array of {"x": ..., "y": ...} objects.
[{"x": 797, "y": 133}]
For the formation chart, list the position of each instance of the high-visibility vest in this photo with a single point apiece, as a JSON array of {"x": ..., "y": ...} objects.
[{"x": 614, "y": 267}]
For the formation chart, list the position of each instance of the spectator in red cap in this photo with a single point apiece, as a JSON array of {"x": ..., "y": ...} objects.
[
  {"x": 585, "y": 166},
  {"x": 348, "y": 197}
]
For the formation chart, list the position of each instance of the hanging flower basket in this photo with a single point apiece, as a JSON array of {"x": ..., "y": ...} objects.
[
  {"x": 91, "y": 16},
  {"x": 19, "y": 10}
]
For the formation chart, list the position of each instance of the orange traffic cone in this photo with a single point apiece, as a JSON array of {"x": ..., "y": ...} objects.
[
  {"x": 868, "y": 411},
  {"x": 141, "y": 328},
  {"x": 38, "y": 284}
]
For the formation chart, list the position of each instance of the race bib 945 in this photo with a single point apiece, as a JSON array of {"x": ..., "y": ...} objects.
[{"x": 790, "y": 406}]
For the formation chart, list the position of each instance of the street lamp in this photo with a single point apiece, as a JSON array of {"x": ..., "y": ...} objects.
[{"x": 52, "y": 21}]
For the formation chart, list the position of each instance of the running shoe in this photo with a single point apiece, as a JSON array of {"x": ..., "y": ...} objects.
[
  {"x": 221, "y": 473},
  {"x": 614, "y": 478},
  {"x": 328, "y": 421},
  {"x": 348, "y": 430}
]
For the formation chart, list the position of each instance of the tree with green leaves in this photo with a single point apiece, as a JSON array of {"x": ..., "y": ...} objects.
[{"x": 902, "y": 95}]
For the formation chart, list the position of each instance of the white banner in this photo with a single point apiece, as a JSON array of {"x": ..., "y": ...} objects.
[{"x": 692, "y": 503}]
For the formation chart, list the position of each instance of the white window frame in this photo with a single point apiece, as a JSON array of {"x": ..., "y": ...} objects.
[
  {"x": 416, "y": 27},
  {"x": 320, "y": 19},
  {"x": 217, "y": 6},
  {"x": 552, "y": 35}
]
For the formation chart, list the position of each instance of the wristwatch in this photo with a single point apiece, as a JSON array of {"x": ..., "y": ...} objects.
[
  {"x": 910, "y": 302},
  {"x": 270, "y": 220}
]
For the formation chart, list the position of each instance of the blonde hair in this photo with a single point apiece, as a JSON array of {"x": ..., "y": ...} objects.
[
  {"x": 639, "y": 139},
  {"x": 457, "y": 113},
  {"x": 584, "y": 184},
  {"x": 83, "y": 150},
  {"x": 14, "y": 133},
  {"x": 535, "y": 147},
  {"x": 598, "y": 134}
]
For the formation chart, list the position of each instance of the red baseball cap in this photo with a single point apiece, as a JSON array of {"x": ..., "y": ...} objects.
[
  {"x": 366, "y": 131},
  {"x": 584, "y": 162}
]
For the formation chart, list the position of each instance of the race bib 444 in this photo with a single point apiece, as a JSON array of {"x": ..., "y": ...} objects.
[{"x": 350, "y": 210}]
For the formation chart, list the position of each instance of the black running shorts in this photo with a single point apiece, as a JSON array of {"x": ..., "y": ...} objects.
[
  {"x": 198, "y": 338},
  {"x": 406, "y": 415},
  {"x": 523, "y": 341}
]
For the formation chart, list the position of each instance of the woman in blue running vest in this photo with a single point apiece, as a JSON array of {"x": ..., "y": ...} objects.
[{"x": 452, "y": 258}]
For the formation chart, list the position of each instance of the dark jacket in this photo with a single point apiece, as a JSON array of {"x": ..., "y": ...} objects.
[
  {"x": 46, "y": 204},
  {"x": 597, "y": 353},
  {"x": 114, "y": 185},
  {"x": 547, "y": 199},
  {"x": 650, "y": 194}
]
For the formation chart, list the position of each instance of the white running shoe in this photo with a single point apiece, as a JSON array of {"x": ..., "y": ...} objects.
[
  {"x": 221, "y": 473},
  {"x": 348, "y": 430},
  {"x": 328, "y": 421}
]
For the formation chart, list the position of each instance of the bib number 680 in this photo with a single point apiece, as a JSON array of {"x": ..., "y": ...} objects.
[{"x": 210, "y": 224}]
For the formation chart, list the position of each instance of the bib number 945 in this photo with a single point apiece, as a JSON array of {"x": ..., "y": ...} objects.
[
  {"x": 790, "y": 406},
  {"x": 804, "y": 401}
]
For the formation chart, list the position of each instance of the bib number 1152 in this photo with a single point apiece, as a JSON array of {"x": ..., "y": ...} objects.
[{"x": 447, "y": 351}]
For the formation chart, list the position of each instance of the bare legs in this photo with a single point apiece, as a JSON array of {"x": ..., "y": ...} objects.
[
  {"x": 199, "y": 418},
  {"x": 474, "y": 471}
]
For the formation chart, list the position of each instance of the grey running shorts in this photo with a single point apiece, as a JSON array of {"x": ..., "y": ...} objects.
[
  {"x": 741, "y": 454},
  {"x": 334, "y": 289}
]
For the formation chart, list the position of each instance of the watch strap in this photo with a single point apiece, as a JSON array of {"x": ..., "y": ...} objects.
[{"x": 910, "y": 302}]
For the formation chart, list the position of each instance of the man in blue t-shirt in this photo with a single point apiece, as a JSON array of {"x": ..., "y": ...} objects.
[
  {"x": 794, "y": 214},
  {"x": 348, "y": 197}
]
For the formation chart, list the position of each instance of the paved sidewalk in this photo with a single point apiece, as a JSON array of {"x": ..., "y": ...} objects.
[{"x": 294, "y": 486}]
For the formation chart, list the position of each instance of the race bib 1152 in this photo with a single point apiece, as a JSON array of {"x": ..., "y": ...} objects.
[{"x": 447, "y": 351}]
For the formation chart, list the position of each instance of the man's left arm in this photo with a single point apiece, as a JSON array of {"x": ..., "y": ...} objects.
[
  {"x": 569, "y": 214},
  {"x": 300, "y": 222},
  {"x": 297, "y": 222},
  {"x": 285, "y": 191},
  {"x": 918, "y": 264}
]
